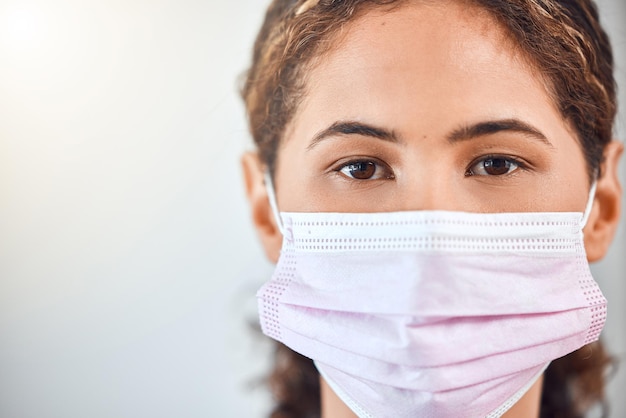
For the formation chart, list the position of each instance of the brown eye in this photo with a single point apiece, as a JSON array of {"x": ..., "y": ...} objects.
[
  {"x": 365, "y": 170},
  {"x": 361, "y": 170},
  {"x": 492, "y": 166}
]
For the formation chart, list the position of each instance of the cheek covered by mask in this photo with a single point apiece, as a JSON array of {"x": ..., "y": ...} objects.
[{"x": 432, "y": 313}]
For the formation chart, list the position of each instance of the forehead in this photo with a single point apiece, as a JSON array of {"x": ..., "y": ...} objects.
[
  {"x": 443, "y": 34},
  {"x": 420, "y": 49}
]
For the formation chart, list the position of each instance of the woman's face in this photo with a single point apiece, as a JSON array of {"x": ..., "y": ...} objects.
[{"x": 428, "y": 107}]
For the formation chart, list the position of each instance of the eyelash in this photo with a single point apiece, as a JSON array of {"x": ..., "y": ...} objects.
[
  {"x": 519, "y": 164},
  {"x": 386, "y": 174}
]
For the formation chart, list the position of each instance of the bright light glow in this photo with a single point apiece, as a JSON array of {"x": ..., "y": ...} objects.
[{"x": 24, "y": 25}]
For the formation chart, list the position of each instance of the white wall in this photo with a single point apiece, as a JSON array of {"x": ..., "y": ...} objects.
[{"x": 128, "y": 265}]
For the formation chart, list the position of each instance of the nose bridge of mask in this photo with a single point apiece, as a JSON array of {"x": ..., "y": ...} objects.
[{"x": 271, "y": 195}]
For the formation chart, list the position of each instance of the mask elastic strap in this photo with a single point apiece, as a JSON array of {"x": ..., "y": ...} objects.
[
  {"x": 587, "y": 212},
  {"x": 269, "y": 186}
]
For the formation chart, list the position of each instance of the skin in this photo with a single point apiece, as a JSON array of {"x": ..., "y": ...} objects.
[{"x": 454, "y": 119}]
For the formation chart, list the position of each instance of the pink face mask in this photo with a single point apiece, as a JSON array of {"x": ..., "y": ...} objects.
[{"x": 432, "y": 313}]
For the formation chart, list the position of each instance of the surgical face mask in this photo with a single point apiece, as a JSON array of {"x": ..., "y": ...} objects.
[{"x": 432, "y": 313}]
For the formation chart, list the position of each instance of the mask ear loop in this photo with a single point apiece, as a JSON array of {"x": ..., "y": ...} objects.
[
  {"x": 271, "y": 195},
  {"x": 590, "y": 199}
]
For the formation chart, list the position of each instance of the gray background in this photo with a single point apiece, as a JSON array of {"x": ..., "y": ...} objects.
[{"x": 128, "y": 265}]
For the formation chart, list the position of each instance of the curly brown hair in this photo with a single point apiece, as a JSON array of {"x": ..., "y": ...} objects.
[{"x": 564, "y": 42}]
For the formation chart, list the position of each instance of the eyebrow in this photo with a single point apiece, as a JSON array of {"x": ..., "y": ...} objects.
[
  {"x": 492, "y": 127},
  {"x": 353, "y": 128},
  {"x": 463, "y": 133}
]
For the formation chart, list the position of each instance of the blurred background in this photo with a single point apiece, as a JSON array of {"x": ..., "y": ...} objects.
[{"x": 128, "y": 265}]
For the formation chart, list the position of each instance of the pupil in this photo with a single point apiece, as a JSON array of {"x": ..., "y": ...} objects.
[
  {"x": 497, "y": 166},
  {"x": 362, "y": 170}
]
